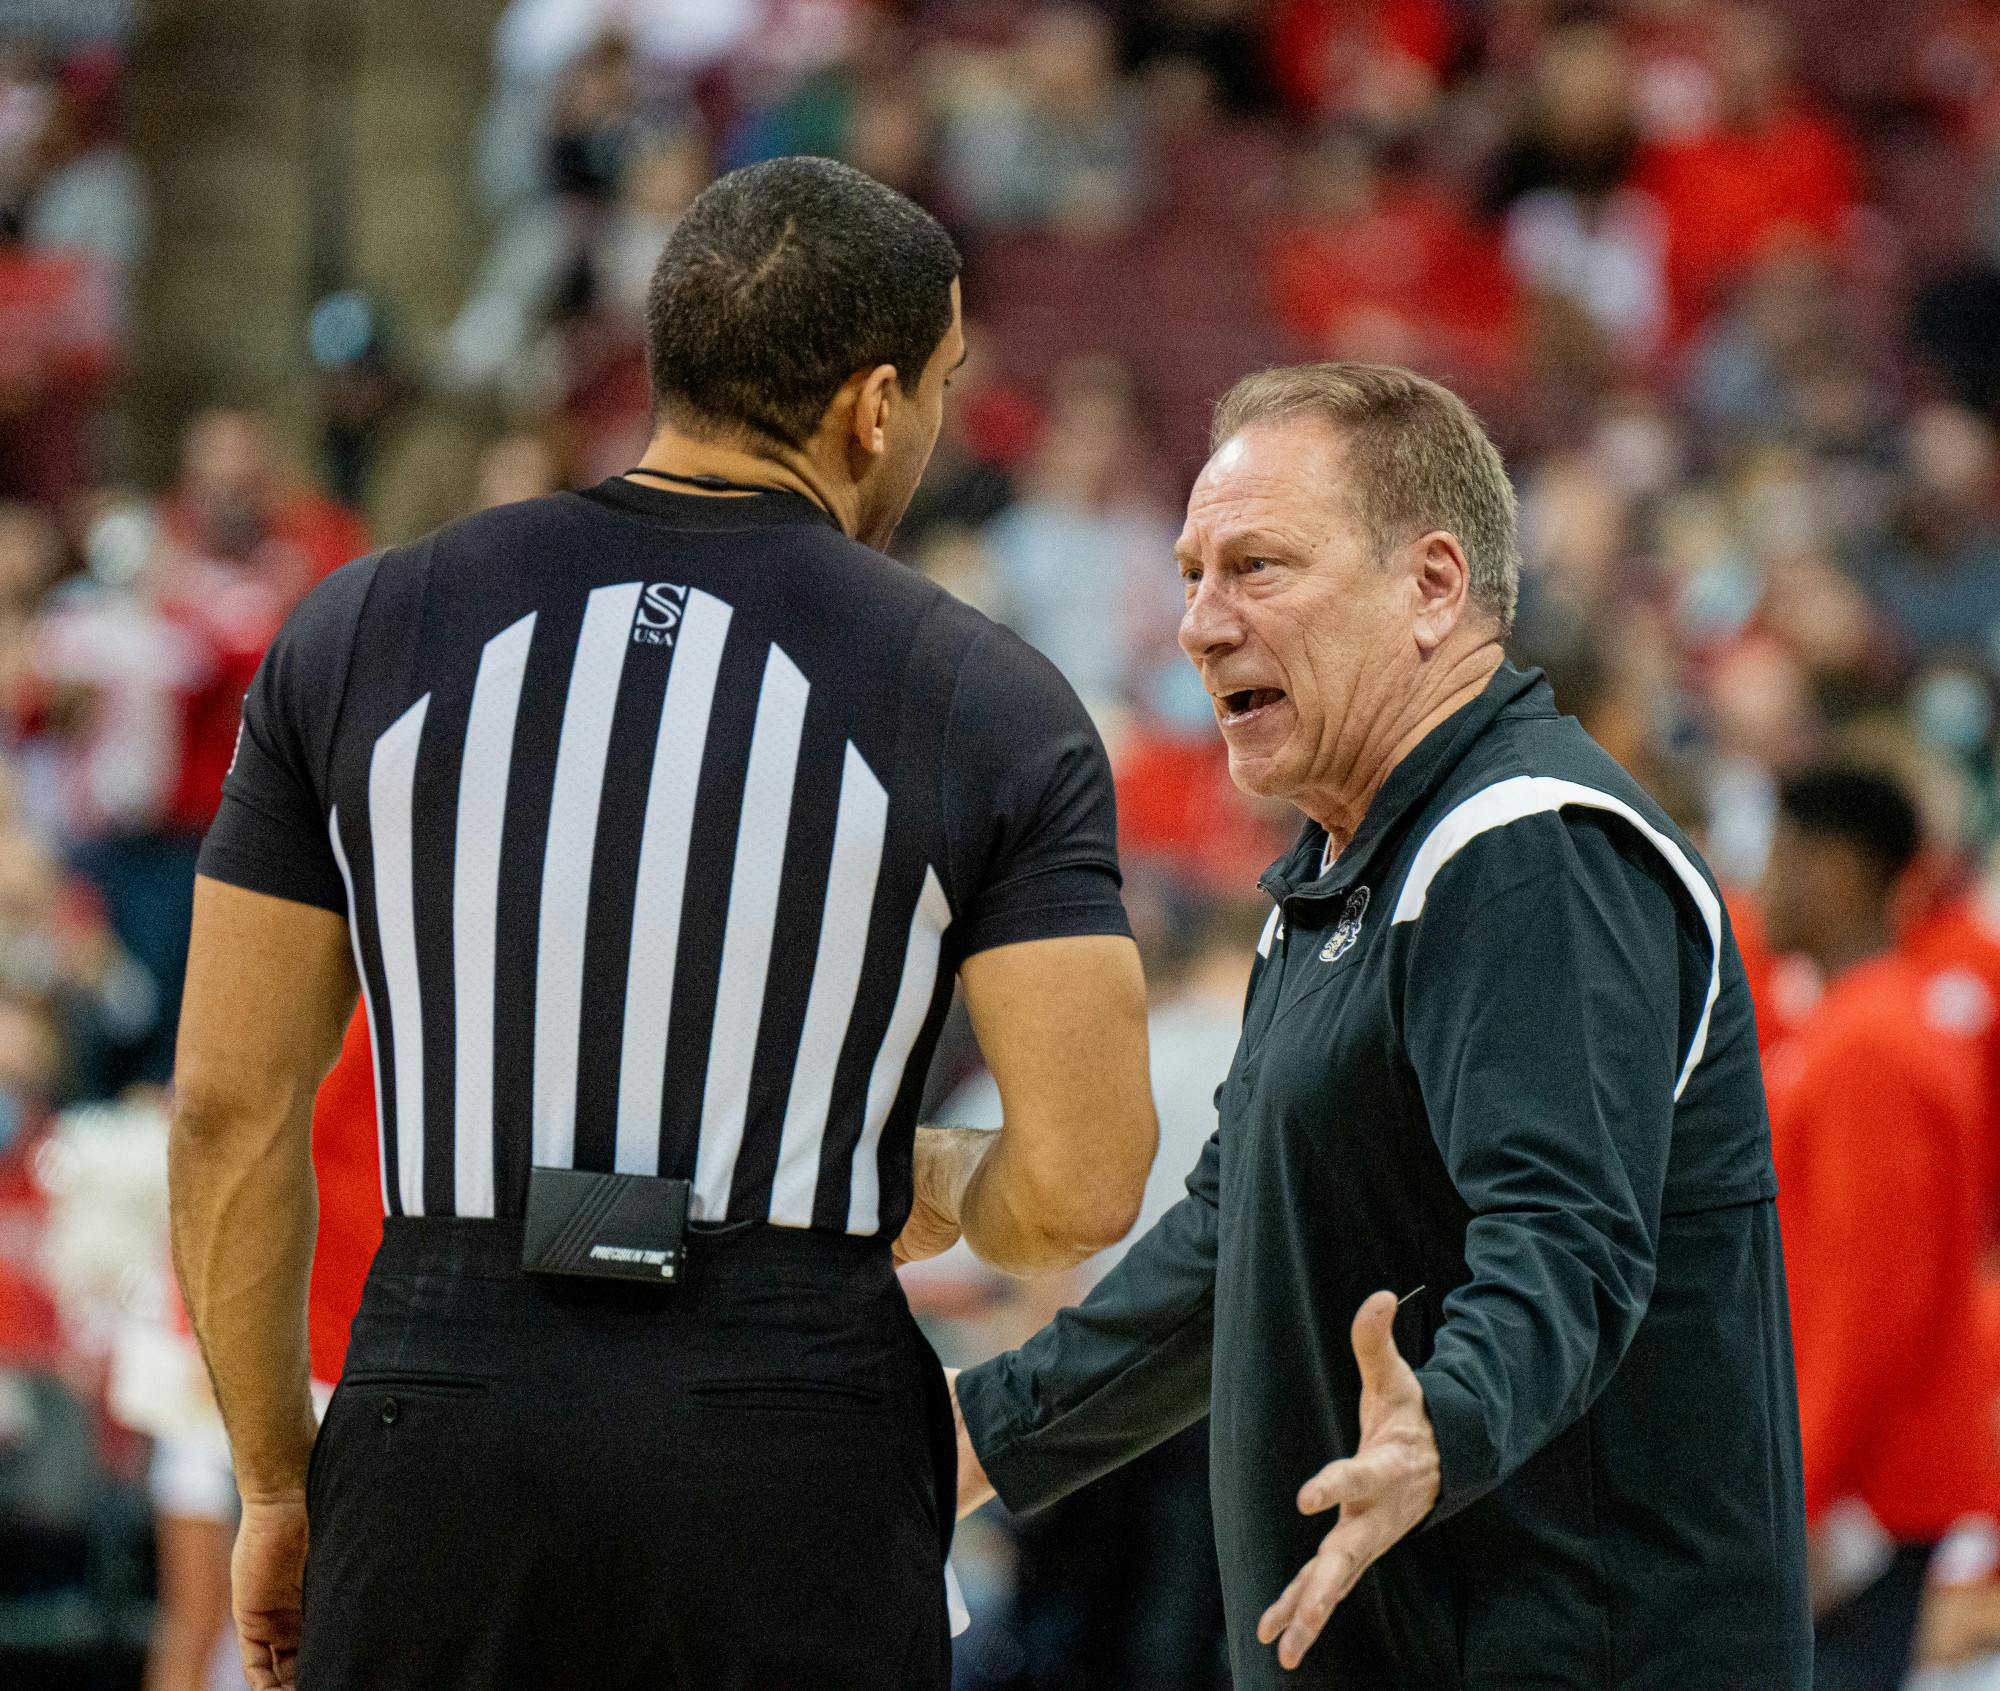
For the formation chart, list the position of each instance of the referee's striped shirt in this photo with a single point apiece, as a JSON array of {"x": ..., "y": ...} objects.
[{"x": 661, "y": 823}]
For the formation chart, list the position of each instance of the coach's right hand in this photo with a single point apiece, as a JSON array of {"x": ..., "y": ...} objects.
[
  {"x": 266, "y": 1574},
  {"x": 974, "y": 1488}
]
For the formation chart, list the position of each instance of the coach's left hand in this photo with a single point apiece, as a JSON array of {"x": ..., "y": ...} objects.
[{"x": 1383, "y": 1490}]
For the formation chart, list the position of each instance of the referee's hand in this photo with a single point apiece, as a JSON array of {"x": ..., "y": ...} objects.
[
  {"x": 1383, "y": 1490},
  {"x": 942, "y": 1165},
  {"x": 266, "y": 1574}
]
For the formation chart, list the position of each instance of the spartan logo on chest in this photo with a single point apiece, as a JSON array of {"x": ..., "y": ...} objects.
[
  {"x": 662, "y": 604},
  {"x": 1348, "y": 930}
]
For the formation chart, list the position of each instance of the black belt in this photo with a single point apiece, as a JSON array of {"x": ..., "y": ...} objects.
[{"x": 485, "y": 1249}]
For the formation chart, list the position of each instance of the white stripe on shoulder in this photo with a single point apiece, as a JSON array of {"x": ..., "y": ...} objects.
[
  {"x": 1534, "y": 795},
  {"x": 1270, "y": 928},
  {"x": 367, "y": 997},
  {"x": 392, "y": 789}
]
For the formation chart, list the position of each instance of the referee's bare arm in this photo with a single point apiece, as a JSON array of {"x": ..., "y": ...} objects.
[
  {"x": 270, "y": 987},
  {"x": 1062, "y": 1025}
]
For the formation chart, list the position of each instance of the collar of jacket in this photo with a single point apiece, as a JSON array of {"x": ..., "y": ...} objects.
[{"x": 1295, "y": 877}]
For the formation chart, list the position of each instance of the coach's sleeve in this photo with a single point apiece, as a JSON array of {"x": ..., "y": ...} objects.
[
  {"x": 1542, "y": 1012},
  {"x": 1106, "y": 1381},
  {"x": 1031, "y": 816},
  {"x": 270, "y": 833}
]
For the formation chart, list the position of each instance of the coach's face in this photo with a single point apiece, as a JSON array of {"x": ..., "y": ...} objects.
[
  {"x": 897, "y": 424},
  {"x": 1310, "y": 645}
]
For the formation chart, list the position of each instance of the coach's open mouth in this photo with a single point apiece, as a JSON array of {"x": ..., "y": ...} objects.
[{"x": 1246, "y": 702}]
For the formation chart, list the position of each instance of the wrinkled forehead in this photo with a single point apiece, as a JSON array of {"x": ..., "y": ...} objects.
[{"x": 1284, "y": 478}]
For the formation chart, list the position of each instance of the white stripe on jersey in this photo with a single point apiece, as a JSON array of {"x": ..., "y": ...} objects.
[
  {"x": 572, "y": 841},
  {"x": 663, "y": 856},
  {"x": 858, "y": 831},
  {"x": 367, "y": 999},
  {"x": 482, "y": 812},
  {"x": 906, "y": 1021},
  {"x": 392, "y": 781},
  {"x": 761, "y": 837},
  {"x": 1531, "y": 795}
]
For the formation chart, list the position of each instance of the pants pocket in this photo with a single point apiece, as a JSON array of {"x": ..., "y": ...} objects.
[
  {"x": 782, "y": 1395},
  {"x": 407, "y": 1383}
]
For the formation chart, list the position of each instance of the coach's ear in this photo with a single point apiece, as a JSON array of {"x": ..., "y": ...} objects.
[{"x": 1440, "y": 582}]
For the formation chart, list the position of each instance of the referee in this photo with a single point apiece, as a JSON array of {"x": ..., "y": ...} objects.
[{"x": 652, "y": 824}]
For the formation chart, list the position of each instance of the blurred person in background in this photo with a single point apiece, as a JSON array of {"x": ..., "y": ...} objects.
[
  {"x": 1076, "y": 553},
  {"x": 88, "y": 195},
  {"x": 1376, "y": 62},
  {"x": 362, "y": 390},
  {"x": 1574, "y": 229},
  {"x": 237, "y": 506},
  {"x": 1959, "y": 940},
  {"x": 1878, "y": 1123},
  {"x": 1374, "y": 261},
  {"x": 1935, "y": 573},
  {"x": 1759, "y": 164},
  {"x": 31, "y": 1060},
  {"x": 144, "y": 661},
  {"x": 538, "y": 42},
  {"x": 1048, "y": 134},
  {"x": 58, "y": 351}
]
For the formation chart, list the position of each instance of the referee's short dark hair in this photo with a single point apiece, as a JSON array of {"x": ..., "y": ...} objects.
[
  {"x": 1862, "y": 808},
  {"x": 781, "y": 281}
]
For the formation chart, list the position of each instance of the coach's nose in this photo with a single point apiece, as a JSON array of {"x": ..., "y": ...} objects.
[{"x": 1212, "y": 624}]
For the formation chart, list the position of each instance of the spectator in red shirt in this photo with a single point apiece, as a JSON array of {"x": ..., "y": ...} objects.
[
  {"x": 58, "y": 324},
  {"x": 1958, "y": 948},
  {"x": 153, "y": 670},
  {"x": 1875, "y": 1129},
  {"x": 348, "y": 1167},
  {"x": 234, "y": 505},
  {"x": 1380, "y": 265},
  {"x": 1359, "y": 58},
  {"x": 1769, "y": 165}
]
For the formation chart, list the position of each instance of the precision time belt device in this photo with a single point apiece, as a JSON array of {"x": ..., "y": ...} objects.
[{"x": 606, "y": 1226}]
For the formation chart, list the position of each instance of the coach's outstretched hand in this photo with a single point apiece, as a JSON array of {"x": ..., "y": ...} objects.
[
  {"x": 1383, "y": 1490},
  {"x": 266, "y": 1575},
  {"x": 974, "y": 1488}
]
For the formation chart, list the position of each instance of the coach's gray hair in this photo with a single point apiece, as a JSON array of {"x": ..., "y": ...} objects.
[{"x": 1417, "y": 460}]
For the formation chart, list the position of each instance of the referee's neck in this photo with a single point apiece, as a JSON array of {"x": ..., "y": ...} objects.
[{"x": 793, "y": 469}]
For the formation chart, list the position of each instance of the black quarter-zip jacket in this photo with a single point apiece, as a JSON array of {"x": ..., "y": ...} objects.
[{"x": 1501, "y": 1050}]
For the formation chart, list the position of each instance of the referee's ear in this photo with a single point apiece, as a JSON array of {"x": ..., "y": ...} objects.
[{"x": 876, "y": 391}]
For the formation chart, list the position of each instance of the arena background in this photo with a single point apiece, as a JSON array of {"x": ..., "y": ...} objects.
[{"x": 281, "y": 281}]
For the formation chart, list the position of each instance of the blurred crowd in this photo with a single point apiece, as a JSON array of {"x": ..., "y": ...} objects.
[{"x": 1723, "y": 279}]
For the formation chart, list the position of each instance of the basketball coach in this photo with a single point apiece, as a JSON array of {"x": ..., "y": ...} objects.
[
  {"x": 1497, "y": 1072},
  {"x": 653, "y": 822}
]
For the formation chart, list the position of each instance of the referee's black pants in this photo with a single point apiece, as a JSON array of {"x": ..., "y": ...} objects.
[{"x": 744, "y": 1483}]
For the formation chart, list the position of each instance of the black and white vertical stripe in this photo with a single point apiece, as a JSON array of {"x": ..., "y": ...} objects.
[{"x": 628, "y": 904}]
